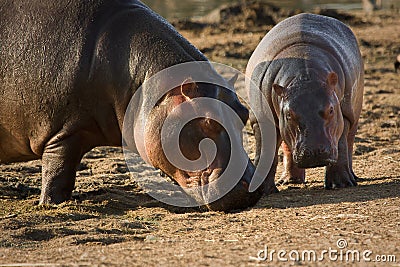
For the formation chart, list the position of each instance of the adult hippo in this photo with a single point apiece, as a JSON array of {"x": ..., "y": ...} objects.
[
  {"x": 310, "y": 70},
  {"x": 68, "y": 71}
]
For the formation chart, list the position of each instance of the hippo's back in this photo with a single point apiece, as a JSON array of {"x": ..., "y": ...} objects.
[
  {"x": 46, "y": 48},
  {"x": 326, "y": 33},
  {"x": 317, "y": 30},
  {"x": 72, "y": 66}
]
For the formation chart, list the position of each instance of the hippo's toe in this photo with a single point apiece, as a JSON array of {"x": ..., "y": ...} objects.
[
  {"x": 336, "y": 177},
  {"x": 285, "y": 179}
]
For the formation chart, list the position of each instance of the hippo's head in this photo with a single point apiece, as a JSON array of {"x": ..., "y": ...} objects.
[
  {"x": 191, "y": 136},
  {"x": 310, "y": 120}
]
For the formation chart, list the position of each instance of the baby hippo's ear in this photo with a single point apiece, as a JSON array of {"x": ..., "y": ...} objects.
[
  {"x": 189, "y": 89},
  {"x": 332, "y": 79},
  {"x": 279, "y": 90}
]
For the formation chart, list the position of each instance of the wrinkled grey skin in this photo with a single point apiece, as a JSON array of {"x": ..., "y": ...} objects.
[
  {"x": 311, "y": 72},
  {"x": 68, "y": 70}
]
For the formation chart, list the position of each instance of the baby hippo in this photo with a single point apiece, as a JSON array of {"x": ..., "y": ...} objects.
[{"x": 311, "y": 72}]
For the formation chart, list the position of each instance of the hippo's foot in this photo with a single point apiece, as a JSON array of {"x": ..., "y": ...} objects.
[
  {"x": 54, "y": 198},
  {"x": 339, "y": 177},
  {"x": 269, "y": 186},
  {"x": 358, "y": 179},
  {"x": 284, "y": 180},
  {"x": 59, "y": 163},
  {"x": 270, "y": 189},
  {"x": 291, "y": 173},
  {"x": 292, "y": 177}
]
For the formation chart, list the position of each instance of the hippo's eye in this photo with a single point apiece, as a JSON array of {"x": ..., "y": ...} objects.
[{"x": 327, "y": 112}]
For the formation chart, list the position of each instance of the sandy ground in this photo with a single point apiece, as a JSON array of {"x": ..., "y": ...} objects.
[{"x": 111, "y": 221}]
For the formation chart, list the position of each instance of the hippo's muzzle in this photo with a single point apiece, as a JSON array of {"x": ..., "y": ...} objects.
[
  {"x": 322, "y": 155},
  {"x": 237, "y": 198}
]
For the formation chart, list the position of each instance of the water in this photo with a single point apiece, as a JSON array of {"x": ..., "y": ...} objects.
[{"x": 188, "y": 8}]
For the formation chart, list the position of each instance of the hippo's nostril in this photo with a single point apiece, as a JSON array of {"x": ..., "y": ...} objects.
[
  {"x": 308, "y": 153},
  {"x": 321, "y": 155},
  {"x": 303, "y": 153},
  {"x": 323, "y": 151}
]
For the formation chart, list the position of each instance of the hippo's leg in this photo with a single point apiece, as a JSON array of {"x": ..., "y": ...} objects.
[
  {"x": 291, "y": 173},
  {"x": 269, "y": 183},
  {"x": 257, "y": 136},
  {"x": 350, "y": 143},
  {"x": 340, "y": 174},
  {"x": 59, "y": 163}
]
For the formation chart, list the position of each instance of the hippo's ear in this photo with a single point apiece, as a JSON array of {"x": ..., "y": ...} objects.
[
  {"x": 231, "y": 81},
  {"x": 279, "y": 90},
  {"x": 332, "y": 79},
  {"x": 189, "y": 89}
]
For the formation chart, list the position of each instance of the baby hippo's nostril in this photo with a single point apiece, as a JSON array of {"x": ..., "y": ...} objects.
[
  {"x": 322, "y": 151},
  {"x": 308, "y": 153},
  {"x": 303, "y": 154}
]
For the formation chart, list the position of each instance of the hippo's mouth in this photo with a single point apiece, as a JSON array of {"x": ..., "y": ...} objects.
[
  {"x": 316, "y": 156},
  {"x": 236, "y": 198},
  {"x": 201, "y": 178},
  {"x": 304, "y": 162},
  {"x": 314, "y": 163}
]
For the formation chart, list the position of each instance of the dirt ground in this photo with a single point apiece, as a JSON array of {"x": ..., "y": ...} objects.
[{"x": 111, "y": 221}]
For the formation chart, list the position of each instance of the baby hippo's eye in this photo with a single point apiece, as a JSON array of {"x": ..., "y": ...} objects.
[{"x": 328, "y": 112}]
